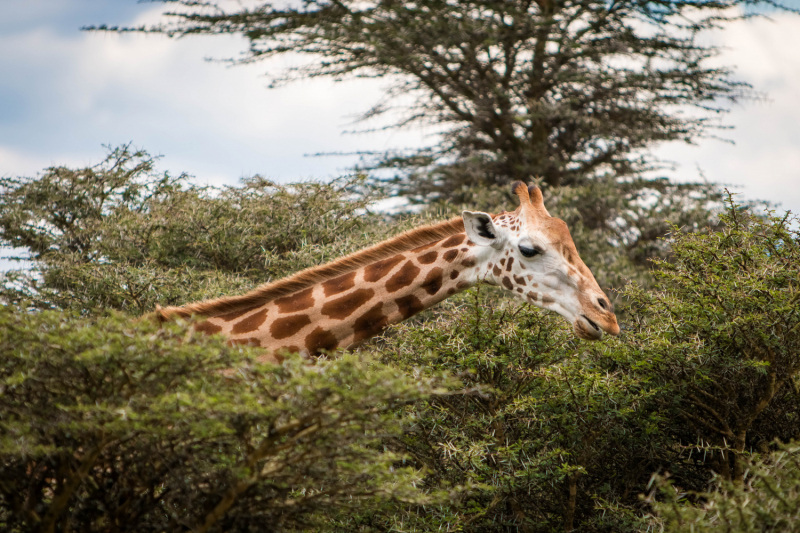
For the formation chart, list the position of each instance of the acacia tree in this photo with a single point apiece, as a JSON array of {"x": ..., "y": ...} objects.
[{"x": 561, "y": 89}]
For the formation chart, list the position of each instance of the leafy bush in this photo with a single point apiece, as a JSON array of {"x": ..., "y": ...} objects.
[
  {"x": 538, "y": 428},
  {"x": 121, "y": 236},
  {"x": 111, "y": 426},
  {"x": 720, "y": 338},
  {"x": 558, "y": 434},
  {"x": 768, "y": 501}
]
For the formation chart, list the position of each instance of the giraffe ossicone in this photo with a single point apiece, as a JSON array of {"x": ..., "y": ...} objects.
[{"x": 343, "y": 303}]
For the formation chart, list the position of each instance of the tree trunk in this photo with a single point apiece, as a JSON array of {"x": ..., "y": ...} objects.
[
  {"x": 572, "y": 496},
  {"x": 736, "y": 457},
  {"x": 539, "y": 133},
  {"x": 722, "y": 464},
  {"x": 72, "y": 481}
]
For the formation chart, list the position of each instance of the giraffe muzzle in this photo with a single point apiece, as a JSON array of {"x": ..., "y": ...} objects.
[{"x": 587, "y": 329}]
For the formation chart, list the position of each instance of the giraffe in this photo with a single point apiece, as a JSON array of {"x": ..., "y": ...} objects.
[{"x": 345, "y": 302}]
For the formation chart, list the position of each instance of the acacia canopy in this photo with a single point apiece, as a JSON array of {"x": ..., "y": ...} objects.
[{"x": 561, "y": 89}]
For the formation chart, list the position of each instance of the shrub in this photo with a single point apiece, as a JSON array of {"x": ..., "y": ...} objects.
[
  {"x": 558, "y": 434},
  {"x": 768, "y": 500},
  {"x": 107, "y": 425},
  {"x": 540, "y": 426},
  {"x": 114, "y": 426},
  {"x": 122, "y": 236},
  {"x": 720, "y": 338}
]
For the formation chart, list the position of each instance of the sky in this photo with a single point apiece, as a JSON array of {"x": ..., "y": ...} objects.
[{"x": 65, "y": 93}]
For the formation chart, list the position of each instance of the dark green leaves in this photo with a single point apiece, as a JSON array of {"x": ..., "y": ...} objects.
[
  {"x": 117, "y": 426},
  {"x": 562, "y": 90}
]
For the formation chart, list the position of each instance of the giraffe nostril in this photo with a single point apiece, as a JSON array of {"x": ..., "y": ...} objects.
[{"x": 603, "y": 304}]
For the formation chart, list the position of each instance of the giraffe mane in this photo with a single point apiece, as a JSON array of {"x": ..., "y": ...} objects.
[{"x": 311, "y": 276}]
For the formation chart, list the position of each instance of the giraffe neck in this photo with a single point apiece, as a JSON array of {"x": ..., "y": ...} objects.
[{"x": 346, "y": 310}]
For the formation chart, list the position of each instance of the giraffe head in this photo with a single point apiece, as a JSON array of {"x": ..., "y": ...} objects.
[{"x": 531, "y": 254}]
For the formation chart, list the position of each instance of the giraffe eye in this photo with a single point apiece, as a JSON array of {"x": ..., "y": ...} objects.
[{"x": 528, "y": 252}]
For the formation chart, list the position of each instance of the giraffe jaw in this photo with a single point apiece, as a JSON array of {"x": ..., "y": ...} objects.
[
  {"x": 582, "y": 326},
  {"x": 586, "y": 329}
]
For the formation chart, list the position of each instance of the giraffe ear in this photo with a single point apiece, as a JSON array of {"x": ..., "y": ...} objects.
[{"x": 481, "y": 229}]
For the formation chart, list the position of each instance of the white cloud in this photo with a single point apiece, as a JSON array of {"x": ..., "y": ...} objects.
[
  {"x": 19, "y": 163},
  {"x": 764, "y": 161},
  {"x": 83, "y": 90}
]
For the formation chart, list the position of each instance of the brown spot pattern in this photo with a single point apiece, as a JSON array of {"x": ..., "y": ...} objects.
[
  {"x": 507, "y": 283},
  {"x": 233, "y": 315},
  {"x": 288, "y": 326},
  {"x": 250, "y": 341},
  {"x": 271, "y": 358},
  {"x": 469, "y": 262},
  {"x": 409, "y": 306},
  {"x": 207, "y": 327},
  {"x": 403, "y": 277},
  {"x": 370, "y": 323},
  {"x": 519, "y": 290},
  {"x": 496, "y": 270},
  {"x": 461, "y": 285},
  {"x": 454, "y": 274},
  {"x": 503, "y": 261},
  {"x": 342, "y": 283},
  {"x": 455, "y": 240},
  {"x": 376, "y": 271},
  {"x": 510, "y": 262},
  {"x": 546, "y": 299},
  {"x": 428, "y": 258},
  {"x": 451, "y": 291},
  {"x": 533, "y": 296},
  {"x": 519, "y": 280},
  {"x": 433, "y": 281},
  {"x": 296, "y": 302},
  {"x": 450, "y": 255},
  {"x": 320, "y": 339},
  {"x": 290, "y": 349},
  {"x": 251, "y": 323},
  {"x": 346, "y": 305}
]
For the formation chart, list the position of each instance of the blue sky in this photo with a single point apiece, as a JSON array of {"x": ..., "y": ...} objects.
[{"x": 65, "y": 93}]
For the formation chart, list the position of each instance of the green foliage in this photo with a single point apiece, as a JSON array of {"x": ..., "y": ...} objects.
[
  {"x": 538, "y": 428},
  {"x": 108, "y": 425},
  {"x": 121, "y": 236},
  {"x": 116, "y": 426},
  {"x": 721, "y": 336},
  {"x": 768, "y": 502}
]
